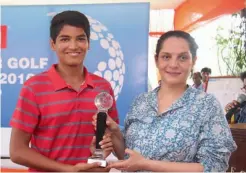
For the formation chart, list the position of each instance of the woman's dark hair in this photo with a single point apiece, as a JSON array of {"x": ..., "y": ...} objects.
[{"x": 179, "y": 34}]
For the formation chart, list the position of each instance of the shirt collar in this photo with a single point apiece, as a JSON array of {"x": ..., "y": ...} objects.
[
  {"x": 59, "y": 83},
  {"x": 153, "y": 99}
]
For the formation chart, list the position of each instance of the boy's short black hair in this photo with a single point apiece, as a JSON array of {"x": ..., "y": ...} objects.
[
  {"x": 206, "y": 69},
  {"x": 73, "y": 18}
]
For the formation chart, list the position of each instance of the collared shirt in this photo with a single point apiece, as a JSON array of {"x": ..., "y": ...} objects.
[
  {"x": 193, "y": 129},
  {"x": 58, "y": 117},
  {"x": 200, "y": 87}
]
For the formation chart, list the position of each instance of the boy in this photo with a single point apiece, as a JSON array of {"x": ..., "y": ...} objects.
[{"x": 55, "y": 108}]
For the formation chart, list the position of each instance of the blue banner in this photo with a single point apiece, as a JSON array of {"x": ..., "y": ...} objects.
[{"x": 118, "y": 52}]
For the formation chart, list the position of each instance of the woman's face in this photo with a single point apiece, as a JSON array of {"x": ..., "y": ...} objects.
[{"x": 174, "y": 61}]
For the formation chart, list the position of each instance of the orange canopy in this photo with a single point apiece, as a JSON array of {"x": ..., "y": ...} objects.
[{"x": 193, "y": 13}]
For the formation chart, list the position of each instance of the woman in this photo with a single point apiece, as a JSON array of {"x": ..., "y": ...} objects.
[{"x": 174, "y": 127}]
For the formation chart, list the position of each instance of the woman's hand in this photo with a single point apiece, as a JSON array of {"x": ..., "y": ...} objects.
[
  {"x": 133, "y": 163},
  {"x": 106, "y": 145},
  {"x": 112, "y": 126}
]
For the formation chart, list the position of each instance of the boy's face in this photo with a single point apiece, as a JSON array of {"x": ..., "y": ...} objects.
[
  {"x": 71, "y": 45},
  {"x": 205, "y": 76}
]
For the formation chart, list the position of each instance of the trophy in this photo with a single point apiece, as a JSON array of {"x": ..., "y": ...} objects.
[{"x": 103, "y": 102}]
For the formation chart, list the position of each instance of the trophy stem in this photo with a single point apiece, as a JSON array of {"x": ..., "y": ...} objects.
[{"x": 101, "y": 127}]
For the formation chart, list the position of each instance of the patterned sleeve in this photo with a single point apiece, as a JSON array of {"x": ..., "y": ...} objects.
[
  {"x": 133, "y": 106},
  {"x": 215, "y": 143}
]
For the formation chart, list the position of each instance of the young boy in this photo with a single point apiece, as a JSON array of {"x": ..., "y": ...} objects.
[{"x": 55, "y": 108}]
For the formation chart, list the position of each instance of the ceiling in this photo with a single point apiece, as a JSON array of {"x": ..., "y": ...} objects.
[{"x": 154, "y": 4}]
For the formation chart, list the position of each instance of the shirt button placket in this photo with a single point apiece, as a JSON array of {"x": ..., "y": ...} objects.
[{"x": 77, "y": 100}]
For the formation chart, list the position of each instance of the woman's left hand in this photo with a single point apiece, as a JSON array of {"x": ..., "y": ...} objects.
[{"x": 133, "y": 163}]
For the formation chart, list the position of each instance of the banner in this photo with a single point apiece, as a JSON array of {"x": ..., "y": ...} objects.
[{"x": 118, "y": 52}]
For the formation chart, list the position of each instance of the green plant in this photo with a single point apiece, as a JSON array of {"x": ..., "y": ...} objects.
[{"x": 231, "y": 49}]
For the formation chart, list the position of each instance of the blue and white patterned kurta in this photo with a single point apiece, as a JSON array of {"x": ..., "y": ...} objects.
[{"x": 193, "y": 129}]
